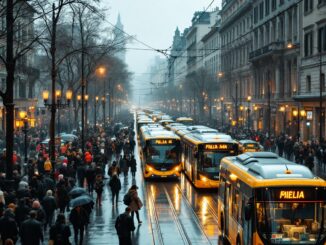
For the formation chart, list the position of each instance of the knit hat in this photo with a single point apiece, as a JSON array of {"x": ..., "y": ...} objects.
[
  {"x": 60, "y": 177},
  {"x": 49, "y": 193}
]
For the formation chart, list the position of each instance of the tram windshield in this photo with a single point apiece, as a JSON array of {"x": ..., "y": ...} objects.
[
  {"x": 300, "y": 221},
  {"x": 211, "y": 160},
  {"x": 162, "y": 153}
]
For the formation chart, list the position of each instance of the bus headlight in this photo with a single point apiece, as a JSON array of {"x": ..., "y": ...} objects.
[{"x": 177, "y": 168}]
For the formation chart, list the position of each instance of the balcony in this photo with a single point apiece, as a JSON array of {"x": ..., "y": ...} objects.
[{"x": 272, "y": 48}]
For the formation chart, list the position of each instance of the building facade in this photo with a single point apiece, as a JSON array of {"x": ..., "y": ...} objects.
[
  {"x": 312, "y": 68},
  {"x": 25, "y": 74},
  {"x": 236, "y": 73}
]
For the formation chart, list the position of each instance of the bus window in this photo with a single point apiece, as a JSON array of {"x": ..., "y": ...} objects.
[
  {"x": 221, "y": 188},
  {"x": 162, "y": 153},
  {"x": 235, "y": 204},
  {"x": 211, "y": 161},
  {"x": 290, "y": 221}
]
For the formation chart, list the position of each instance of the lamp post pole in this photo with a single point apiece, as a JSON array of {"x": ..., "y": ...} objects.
[
  {"x": 222, "y": 112},
  {"x": 96, "y": 101},
  {"x": 248, "y": 111},
  {"x": 25, "y": 130},
  {"x": 103, "y": 105},
  {"x": 321, "y": 84}
]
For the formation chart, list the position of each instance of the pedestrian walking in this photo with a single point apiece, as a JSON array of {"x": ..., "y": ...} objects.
[
  {"x": 49, "y": 205},
  {"x": 135, "y": 202},
  {"x": 114, "y": 169},
  {"x": 62, "y": 195},
  {"x": 133, "y": 166},
  {"x": 124, "y": 225},
  {"x": 78, "y": 218},
  {"x": 99, "y": 184},
  {"x": 123, "y": 163},
  {"x": 115, "y": 185},
  {"x": 60, "y": 232},
  {"x": 90, "y": 177},
  {"x": 8, "y": 226},
  {"x": 31, "y": 231},
  {"x": 40, "y": 214}
]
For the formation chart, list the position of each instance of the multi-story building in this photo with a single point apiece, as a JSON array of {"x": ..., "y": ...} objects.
[
  {"x": 311, "y": 90},
  {"x": 236, "y": 43},
  {"x": 177, "y": 64},
  {"x": 25, "y": 73},
  {"x": 201, "y": 24},
  {"x": 212, "y": 63},
  {"x": 275, "y": 61}
]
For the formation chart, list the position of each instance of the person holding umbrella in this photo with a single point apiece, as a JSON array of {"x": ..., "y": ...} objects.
[{"x": 78, "y": 218}]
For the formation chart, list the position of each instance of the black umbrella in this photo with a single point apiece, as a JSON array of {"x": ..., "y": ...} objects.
[
  {"x": 81, "y": 200},
  {"x": 77, "y": 191}
]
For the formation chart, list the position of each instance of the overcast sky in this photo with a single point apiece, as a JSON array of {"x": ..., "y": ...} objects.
[{"x": 152, "y": 22}]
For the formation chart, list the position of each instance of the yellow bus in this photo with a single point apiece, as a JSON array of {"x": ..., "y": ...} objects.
[
  {"x": 202, "y": 151},
  {"x": 265, "y": 199},
  {"x": 160, "y": 153}
]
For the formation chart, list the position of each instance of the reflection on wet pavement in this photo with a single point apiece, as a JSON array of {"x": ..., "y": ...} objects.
[{"x": 174, "y": 212}]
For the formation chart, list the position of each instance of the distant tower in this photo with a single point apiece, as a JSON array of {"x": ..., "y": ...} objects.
[{"x": 119, "y": 37}]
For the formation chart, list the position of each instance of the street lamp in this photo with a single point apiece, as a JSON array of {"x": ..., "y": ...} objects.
[
  {"x": 222, "y": 112},
  {"x": 282, "y": 109},
  {"x": 241, "y": 109},
  {"x": 298, "y": 114},
  {"x": 248, "y": 112},
  {"x": 56, "y": 103},
  {"x": 24, "y": 118}
]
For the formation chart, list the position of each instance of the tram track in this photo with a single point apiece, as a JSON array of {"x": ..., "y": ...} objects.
[{"x": 165, "y": 219}]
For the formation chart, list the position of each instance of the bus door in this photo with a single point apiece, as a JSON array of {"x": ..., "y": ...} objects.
[{"x": 227, "y": 202}]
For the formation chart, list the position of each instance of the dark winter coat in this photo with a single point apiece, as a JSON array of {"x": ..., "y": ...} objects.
[
  {"x": 78, "y": 218},
  {"x": 124, "y": 225},
  {"x": 59, "y": 234},
  {"x": 49, "y": 204},
  {"x": 31, "y": 232},
  {"x": 133, "y": 165},
  {"x": 115, "y": 184},
  {"x": 8, "y": 228}
]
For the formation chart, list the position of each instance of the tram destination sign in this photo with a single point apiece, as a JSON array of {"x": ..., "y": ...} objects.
[
  {"x": 163, "y": 142},
  {"x": 292, "y": 194},
  {"x": 218, "y": 146}
]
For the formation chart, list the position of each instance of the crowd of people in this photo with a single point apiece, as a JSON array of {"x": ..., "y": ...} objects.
[{"x": 49, "y": 198}]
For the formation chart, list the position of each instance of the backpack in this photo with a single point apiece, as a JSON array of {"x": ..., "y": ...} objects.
[{"x": 127, "y": 199}]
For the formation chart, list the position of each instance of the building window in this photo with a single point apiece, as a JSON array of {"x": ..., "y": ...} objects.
[
  {"x": 321, "y": 2},
  {"x": 261, "y": 10},
  {"x": 308, "y": 5},
  {"x": 322, "y": 39},
  {"x": 322, "y": 78},
  {"x": 273, "y": 5},
  {"x": 266, "y": 7},
  {"x": 255, "y": 15},
  {"x": 308, "y": 44},
  {"x": 308, "y": 81}
]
